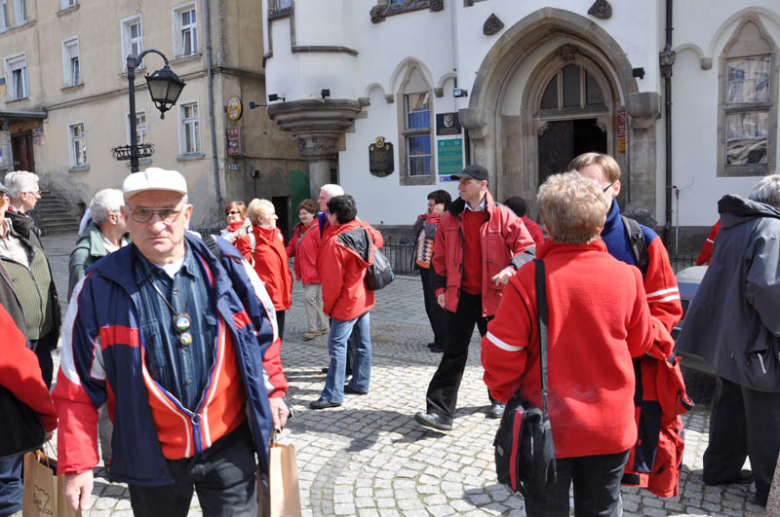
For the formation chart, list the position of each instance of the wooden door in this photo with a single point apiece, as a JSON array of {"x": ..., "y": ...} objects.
[{"x": 23, "y": 152}]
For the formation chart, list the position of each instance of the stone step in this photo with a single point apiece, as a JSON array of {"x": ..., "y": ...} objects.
[{"x": 54, "y": 215}]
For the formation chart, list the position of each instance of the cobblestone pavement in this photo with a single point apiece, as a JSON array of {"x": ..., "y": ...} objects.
[{"x": 369, "y": 458}]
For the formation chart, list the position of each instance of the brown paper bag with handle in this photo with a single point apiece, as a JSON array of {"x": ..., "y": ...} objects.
[
  {"x": 43, "y": 488},
  {"x": 280, "y": 497}
]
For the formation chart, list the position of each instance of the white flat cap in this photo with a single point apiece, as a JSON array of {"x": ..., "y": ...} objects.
[{"x": 154, "y": 178}]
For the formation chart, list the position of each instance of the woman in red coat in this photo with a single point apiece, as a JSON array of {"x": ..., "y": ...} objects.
[
  {"x": 598, "y": 320},
  {"x": 270, "y": 257},
  {"x": 305, "y": 246},
  {"x": 239, "y": 229}
]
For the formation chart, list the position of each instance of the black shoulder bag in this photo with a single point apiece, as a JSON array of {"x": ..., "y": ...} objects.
[
  {"x": 379, "y": 273},
  {"x": 525, "y": 452}
]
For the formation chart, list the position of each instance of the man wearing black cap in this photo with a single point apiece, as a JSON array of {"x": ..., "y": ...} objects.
[{"x": 479, "y": 246}]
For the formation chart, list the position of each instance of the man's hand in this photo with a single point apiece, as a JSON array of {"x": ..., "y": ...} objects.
[
  {"x": 504, "y": 276},
  {"x": 78, "y": 490},
  {"x": 279, "y": 412},
  {"x": 442, "y": 301}
]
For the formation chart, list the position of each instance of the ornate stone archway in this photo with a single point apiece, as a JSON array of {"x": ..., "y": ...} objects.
[{"x": 488, "y": 131}]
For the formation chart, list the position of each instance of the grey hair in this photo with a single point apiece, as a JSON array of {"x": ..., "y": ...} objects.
[
  {"x": 572, "y": 207},
  {"x": 332, "y": 189},
  {"x": 767, "y": 190},
  {"x": 106, "y": 201},
  {"x": 20, "y": 181}
]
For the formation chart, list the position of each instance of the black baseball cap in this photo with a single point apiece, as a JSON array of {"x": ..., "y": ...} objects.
[{"x": 476, "y": 172}]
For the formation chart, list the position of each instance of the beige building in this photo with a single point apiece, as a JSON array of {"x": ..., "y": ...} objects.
[{"x": 64, "y": 101}]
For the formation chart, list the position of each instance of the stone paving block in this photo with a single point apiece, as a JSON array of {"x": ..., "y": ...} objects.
[
  {"x": 494, "y": 508},
  {"x": 693, "y": 510},
  {"x": 653, "y": 502},
  {"x": 389, "y": 513},
  {"x": 410, "y": 504},
  {"x": 441, "y": 510},
  {"x": 385, "y": 502},
  {"x": 344, "y": 509},
  {"x": 368, "y": 512},
  {"x": 654, "y": 512},
  {"x": 479, "y": 499},
  {"x": 630, "y": 506}
]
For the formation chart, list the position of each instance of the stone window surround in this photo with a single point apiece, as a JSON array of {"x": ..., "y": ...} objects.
[
  {"x": 276, "y": 13},
  {"x": 71, "y": 145},
  {"x": 724, "y": 170},
  {"x": 182, "y": 129},
  {"x": 403, "y": 158},
  {"x": 68, "y": 45},
  {"x": 126, "y": 40},
  {"x": 384, "y": 8},
  {"x": 16, "y": 62}
]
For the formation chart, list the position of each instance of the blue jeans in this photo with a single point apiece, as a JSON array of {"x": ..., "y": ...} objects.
[
  {"x": 337, "y": 349},
  {"x": 224, "y": 476},
  {"x": 11, "y": 485}
]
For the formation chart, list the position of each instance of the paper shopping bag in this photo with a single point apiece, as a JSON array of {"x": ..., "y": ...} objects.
[
  {"x": 283, "y": 481},
  {"x": 43, "y": 488}
]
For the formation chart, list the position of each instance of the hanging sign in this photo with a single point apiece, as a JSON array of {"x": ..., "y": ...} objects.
[
  {"x": 235, "y": 108},
  {"x": 234, "y": 141},
  {"x": 381, "y": 161}
]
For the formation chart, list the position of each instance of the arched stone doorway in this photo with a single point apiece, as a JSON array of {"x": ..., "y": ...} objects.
[{"x": 507, "y": 122}]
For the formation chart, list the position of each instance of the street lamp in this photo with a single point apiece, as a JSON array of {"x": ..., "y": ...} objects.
[{"x": 164, "y": 88}]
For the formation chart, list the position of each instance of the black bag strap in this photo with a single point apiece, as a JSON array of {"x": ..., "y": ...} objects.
[
  {"x": 636, "y": 239},
  {"x": 541, "y": 320}
]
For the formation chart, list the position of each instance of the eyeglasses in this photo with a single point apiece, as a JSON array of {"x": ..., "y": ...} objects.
[
  {"x": 605, "y": 189},
  {"x": 36, "y": 193},
  {"x": 234, "y": 212},
  {"x": 144, "y": 215}
]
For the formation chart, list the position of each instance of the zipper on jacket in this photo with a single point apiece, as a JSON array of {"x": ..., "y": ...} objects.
[{"x": 197, "y": 433}]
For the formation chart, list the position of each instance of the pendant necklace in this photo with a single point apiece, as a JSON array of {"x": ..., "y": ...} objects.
[{"x": 181, "y": 320}]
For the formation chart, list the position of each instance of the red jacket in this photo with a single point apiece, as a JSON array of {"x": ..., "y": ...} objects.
[
  {"x": 598, "y": 320},
  {"x": 271, "y": 266},
  {"x": 705, "y": 256},
  {"x": 344, "y": 259},
  {"x": 534, "y": 229},
  {"x": 21, "y": 375},
  {"x": 305, "y": 246},
  {"x": 504, "y": 239}
]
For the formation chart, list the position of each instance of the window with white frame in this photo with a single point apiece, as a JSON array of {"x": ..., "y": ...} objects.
[
  {"x": 748, "y": 115},
  {"x": 132, "y": 38},
  {"x": 16, "y": 77},
  {"x": 4, "y": 15},
  {"x": 416, "y": 130},
  {"x": 190, "y": 128},
  {"x": 71, "y": 64},
  {"x": 20, "y": 12},
  {"x": 78, "y": 144},
  {"x": 141, "y": 132},
  {"x": 185, "y": 30},
  {"x": 66, "y": 4}
]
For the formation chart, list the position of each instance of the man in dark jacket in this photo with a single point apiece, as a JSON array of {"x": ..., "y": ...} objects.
[
  {"x": 479, "y": 246},
  {"x": 734, "y": 323}
]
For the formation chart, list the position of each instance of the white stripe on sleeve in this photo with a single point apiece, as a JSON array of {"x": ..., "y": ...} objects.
[{"x": 501, "y": 344}]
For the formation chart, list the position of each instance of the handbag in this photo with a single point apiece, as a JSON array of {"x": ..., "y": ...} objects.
[
  {"x": 21, "y": 429},
  {"x": 525, "y": 452},
  {"x": 380, "y": 273},
  {"x": 43, "y": 488}
]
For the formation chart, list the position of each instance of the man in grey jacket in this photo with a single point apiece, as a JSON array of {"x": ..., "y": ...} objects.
[{"x": 734, "y": 323}]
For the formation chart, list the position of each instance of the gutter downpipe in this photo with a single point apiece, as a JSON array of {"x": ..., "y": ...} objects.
[
  {"x": 666, "y": 59},
  {"x": 212, "y": 122}
]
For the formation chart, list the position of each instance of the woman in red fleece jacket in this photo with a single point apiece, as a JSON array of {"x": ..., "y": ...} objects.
[
  {"x": 270, "y": 257},
  {"x": 598, "y": 320}
]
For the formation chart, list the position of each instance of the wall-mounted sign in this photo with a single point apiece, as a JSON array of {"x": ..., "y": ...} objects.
[
  {"x": 37, "y": 134},
  {"x": 233, "y": 141},
  {"x": 447, "y": 124},
  {"x": 621, "y": 130},
  {"x": 450, "y": 153},
  {"x": 380, "y": 158},
  {"x": 235, "y": 108}
]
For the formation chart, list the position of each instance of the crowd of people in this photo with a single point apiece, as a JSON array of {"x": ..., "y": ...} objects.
[{"x": 179, "y": 377}]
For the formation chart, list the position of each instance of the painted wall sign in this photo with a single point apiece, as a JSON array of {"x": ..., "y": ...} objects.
[
  {"x": 447, "y": 124},
  {"x": 235, "y": 108},
  {"x": 381, "y": 161},
  {"x": 233, "y": 141},
  {"x": 450, "y": 152},
  {"x": 621, "y": 130}
]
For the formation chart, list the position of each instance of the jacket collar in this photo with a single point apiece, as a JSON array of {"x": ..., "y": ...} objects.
[
  {"x": 458, "y": 206},
  {"x": 550, "y": 247}
]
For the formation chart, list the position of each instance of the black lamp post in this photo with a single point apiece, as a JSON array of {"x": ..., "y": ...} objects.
[{"x": 164, "y": 88}]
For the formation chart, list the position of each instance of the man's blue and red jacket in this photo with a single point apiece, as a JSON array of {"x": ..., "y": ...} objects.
[{"x": 102, "y": 361}]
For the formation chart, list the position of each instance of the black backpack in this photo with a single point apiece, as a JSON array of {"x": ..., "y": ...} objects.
[{"x": 636, "y": 238}]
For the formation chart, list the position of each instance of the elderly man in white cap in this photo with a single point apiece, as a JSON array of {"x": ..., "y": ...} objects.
[{"x": 186, "y": 355}]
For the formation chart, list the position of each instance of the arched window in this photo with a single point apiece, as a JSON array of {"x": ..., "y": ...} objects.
[
  {"x": 415, "y": 110},
  {"x": 572, "y": 87},
  {"x": 747, "y": 121}
]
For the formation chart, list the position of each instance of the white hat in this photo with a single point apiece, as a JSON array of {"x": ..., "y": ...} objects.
[{"x": 154, "y": 178}]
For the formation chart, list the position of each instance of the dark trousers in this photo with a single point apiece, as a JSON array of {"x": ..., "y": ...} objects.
[
  {"x": 442, "y": 395},
  {"x": 224, "y": 476},
  {"x": 596, "y": 487},
  {"x": 280, "y": 323},
  {"x": 11, "y": 485},
  {"x": 436, "y": 314},
  {"x": 43, "y": 352},
  {"x": 743, "y": 422}
]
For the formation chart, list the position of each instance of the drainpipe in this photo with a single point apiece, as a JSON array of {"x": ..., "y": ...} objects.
[
  {"x": 212, "y": 122},
  {"x": 666, "y": 59}
]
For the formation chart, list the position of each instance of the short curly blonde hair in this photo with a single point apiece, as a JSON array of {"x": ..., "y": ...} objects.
[
  {"x": 606, "y": 162},
  {"x": 259, "y": 208},
  {"x": 572, "y": 207}
]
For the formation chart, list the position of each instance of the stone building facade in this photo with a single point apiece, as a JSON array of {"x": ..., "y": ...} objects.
[
  {"x": 65, "y": 99},
  {"x": 521, "y": 88}
]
